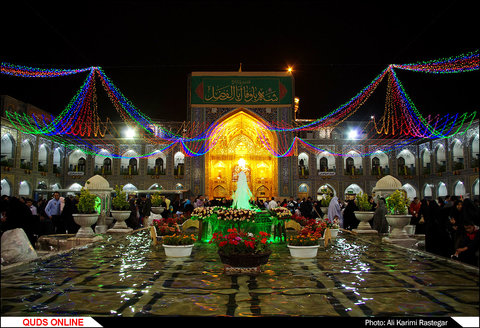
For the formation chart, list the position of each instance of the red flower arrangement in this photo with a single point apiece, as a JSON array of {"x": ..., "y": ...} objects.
[
  {"x": 303, "y": 221},
  {"x": 309, "y": 235},
  {"x": 166, "y": 226},
  {"x": 241, "y": 242}
]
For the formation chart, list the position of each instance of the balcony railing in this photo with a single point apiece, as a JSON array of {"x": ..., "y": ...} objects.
[
  {"x": 26, "y": 165},
  {"x": 42, "y": 167},
  {"x": 57, "y": 169},
  {"x": 474, "y": 162},
  {"x": 103, "y": 170},
  {"x": 7, "y": 162},
  {"x": 441, "y": 168},
  {"x": 157, "y": 170},
  {"x": 354, "y": 171},
  {"x": 380, "y": 171},
  {"x": 130, "y": 170},
  {"x": 458, "y": 166},
  {"x": 303, "y": 172},
  {"x": 404, "y": 170}
]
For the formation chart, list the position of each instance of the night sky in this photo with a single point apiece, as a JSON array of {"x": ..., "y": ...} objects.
[{"x": 148, "y": 48}]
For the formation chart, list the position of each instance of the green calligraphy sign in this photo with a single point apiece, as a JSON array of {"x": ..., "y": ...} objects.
[{"x": 255, "y": 90}]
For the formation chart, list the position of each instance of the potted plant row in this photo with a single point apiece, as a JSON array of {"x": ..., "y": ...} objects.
[
  {"x": 325, "y": 202},
  {"x": 178, "y": 245},
  {"x": 120, "y": 208},
  {"x": 397, "y": 217},
  {"x": 333, "y": 225},
  {"x": 306, "y": 243},
  {"x": 157, "y": 203},
  {"x": 87, "y": 215},
  {"x": 364, "y": 213}
]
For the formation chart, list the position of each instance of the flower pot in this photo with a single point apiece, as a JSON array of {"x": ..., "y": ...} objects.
[
  {"x": 303, "y": 252},
  {"x": 397, "y": 225},
  {"x": 410, "y": 229},
  {"x": 85, "y": 221},
  {"x": 244, "y": 260},
  {"x": 178, "y": 250},
  {"x": 334, "y": 232},
  {"x": 364, "y": 217},
  {"x": 120, "y": 217},
  {"x": 158, "y": 209}
]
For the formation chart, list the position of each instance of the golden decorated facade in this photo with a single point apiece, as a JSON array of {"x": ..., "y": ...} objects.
[{"x": 240, "y": 146}]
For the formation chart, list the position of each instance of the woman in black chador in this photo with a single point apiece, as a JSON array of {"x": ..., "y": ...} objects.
[{"x": 349, "y": 219}]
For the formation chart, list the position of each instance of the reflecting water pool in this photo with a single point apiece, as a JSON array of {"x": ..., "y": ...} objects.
[{"x": 128, "y": 276}]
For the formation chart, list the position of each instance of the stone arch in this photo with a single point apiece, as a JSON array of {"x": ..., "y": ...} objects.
[
  {"x": 475, "y": 189},
  {"x": 103, "y": 162},
  {"x": 379, "y": 163},
  {"x": 77, "y": 161},
  {"x": 474, "y": 151},
  {"x": 43, "y": 154},
  {"x": 325, "y": 162},
  {"x": 428, "y": 191},
  {"x": 426, "y": 161},
  {"x": 57, "y": 160},
  {"x": 6, "y": 187},
  {"x": 405, "y": 163},
  {"x": 129, "y": 187},
  {"x": 459, "y": 188},
  {"x": 241, "y": 138},
  {"x": 26, "y": 155},
  {"x": 442, "y": 190},
  {"x": 457, "y": 155},
  {"x": 7, "y": 149},
  {"x": 156, "y": 163},
  {"x": 353, "y": 163},
  {"x": 303, "y": 190},
  {"x": 129, "y": 162},
  {"x": 25, "y": 189},
  {"x": 326, "y": 189},
  {"x": 440, "y": 158},
  {"x": 353, "y": 189},
  {"x": 179, "y": 164},
  {"x": 410, "y": 190}
]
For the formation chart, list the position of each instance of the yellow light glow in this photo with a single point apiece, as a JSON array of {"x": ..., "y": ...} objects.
[
  {"x": 238, "y": 147},
  {"x": 242, "y": 163},
  {"x": 290, "y": 69}
]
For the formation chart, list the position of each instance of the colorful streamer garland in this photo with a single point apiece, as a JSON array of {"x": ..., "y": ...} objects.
[{"x": 79, "y": 123}]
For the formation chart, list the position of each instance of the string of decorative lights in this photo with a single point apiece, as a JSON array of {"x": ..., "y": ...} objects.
[
  {"x": 458, "y": 64},
  {"x": 80, "y": 118}
]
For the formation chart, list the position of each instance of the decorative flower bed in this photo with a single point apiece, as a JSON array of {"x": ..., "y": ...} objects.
[{"x": 242, "y": 252}]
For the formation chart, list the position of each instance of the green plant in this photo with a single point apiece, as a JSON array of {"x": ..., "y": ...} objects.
[
  {"x": 362, "y": 202},
  {"x": 397, "y": 203},
  {"x": 87, "y": 202},
  {"x": 157, "y": 200},
  {"x": 119, "y": 202},
  {"x": 325, "y": 201}
]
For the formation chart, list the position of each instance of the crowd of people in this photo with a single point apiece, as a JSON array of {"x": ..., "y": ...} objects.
[
  {"x": 41, "y": 217},
  {"x": 450, "y": 224}
]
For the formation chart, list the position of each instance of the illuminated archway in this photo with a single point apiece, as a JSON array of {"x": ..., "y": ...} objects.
[{"x": 239, "y": 145}]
